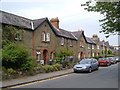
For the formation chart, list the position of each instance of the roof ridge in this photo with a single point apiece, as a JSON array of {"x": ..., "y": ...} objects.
[
  {"x": 39, "y": 19},
  {"x": 15, "y": 15}
]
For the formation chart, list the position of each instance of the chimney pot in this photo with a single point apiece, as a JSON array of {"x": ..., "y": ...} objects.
[{"x": 55, "y": 22}]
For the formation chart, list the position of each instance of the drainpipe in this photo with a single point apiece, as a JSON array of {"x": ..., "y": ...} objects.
[
  {"x": 33, "y": 39},
  {"x": 91, "y": 50}
]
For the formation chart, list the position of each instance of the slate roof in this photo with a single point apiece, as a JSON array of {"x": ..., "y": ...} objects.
[
  {"x": 77, "y": 34},
  {"x": 15, "y": 20},
  {"x": 89, "y": 40},
  {"x": 106, "y": 44},
  {"x": 23, "y": 22},
  {"x": 38, "y": 22},
  {"x": 62, "y": 32},
  {"x": 67, "y": 34}
]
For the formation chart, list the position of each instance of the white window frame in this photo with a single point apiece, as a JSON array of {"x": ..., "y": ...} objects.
[
  {"x": 92, "y": 46},
  {"x": 71, "y": 43},
  {"x": 43, "y": 36},
  {"x": 98, "y": 47},
  {"x": 47, "y": 37},
  {"x": 88, "y": 46},
  {"x": 62, "y": 41}
]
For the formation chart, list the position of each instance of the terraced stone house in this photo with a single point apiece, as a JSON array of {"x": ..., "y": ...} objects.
[{"x": 44, "y": 37}]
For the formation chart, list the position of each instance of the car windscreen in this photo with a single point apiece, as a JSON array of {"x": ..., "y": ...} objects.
[
  {"x": 101, "y": 59},
  {"x": 85, "y": 62}
]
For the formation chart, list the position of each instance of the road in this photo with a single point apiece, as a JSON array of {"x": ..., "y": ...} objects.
[{"x": 105, "y": 77}]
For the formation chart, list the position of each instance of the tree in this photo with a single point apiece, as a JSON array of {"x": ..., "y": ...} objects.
[
  {"x": 109, "y": 52},
  {"x": 111, "y": 11},
  {"x": 8, "y": 33}
]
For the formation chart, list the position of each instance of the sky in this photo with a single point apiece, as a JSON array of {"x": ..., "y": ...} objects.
[{"x": 71, "y": 14}]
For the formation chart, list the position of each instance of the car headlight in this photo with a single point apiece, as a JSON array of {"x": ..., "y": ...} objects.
[{"x": 84, "y": 67}]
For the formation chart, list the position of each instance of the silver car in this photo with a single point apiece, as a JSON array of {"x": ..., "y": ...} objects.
[{"x": 86, "y": 65}]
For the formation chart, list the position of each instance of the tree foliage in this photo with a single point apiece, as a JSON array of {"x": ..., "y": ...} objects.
[
  {"x": 110, "y": 52},
  {"x": 63, "y": 52},
  {"x": 8, "y": 33},
  {"x": 111, "y": 11}
]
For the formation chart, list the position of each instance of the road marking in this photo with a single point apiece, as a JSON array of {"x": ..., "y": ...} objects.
[{"x": 39, "y": 81}]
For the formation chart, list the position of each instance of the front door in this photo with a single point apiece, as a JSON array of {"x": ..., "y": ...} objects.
[{"x": 45, "y": 56}]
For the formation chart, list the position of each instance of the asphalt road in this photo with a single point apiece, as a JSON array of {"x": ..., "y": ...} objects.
[{"x": 105, "y": 77}]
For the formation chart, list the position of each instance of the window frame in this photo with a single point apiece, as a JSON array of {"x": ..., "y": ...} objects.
[
  {"x": 43, "y": 36},
  {"x": 47, "y": 37},
  {"x": 62, "y": 41}
]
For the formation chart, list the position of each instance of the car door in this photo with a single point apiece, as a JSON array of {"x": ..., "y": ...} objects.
[{"x": 94, "y": 64}]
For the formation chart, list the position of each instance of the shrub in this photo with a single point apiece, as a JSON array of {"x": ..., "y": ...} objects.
[
  {"x": 46, "y": 68},
  {"x": 57, "y": 67},
  {"x": 16, "y": 57},
  {"x": 11, "y": 71}
]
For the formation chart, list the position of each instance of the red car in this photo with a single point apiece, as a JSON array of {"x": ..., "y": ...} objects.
[{"x": 104, "y": 62}]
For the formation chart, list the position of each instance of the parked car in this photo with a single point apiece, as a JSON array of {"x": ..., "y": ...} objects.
[
  {"x": 86, "y": 65},
  {"x": 112, "y": 60},
  {"x": 104, "y": 62},
  {"x": 117, "y": 58}
]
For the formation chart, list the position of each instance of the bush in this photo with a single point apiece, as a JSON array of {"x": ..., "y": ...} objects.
[
  {"x": 51, "y": 68},
  {"x": 16, "y": 57},
  {"x": 11, "y": 71},
  {"x": 57, "y": 67},
  {"x": 46, "y": 68}
]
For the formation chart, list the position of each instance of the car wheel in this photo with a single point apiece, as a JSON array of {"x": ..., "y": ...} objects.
[{"x": 90, "y": 70}]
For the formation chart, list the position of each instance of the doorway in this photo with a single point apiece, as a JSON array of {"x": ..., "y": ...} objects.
[{"x": 45, "y": 56}]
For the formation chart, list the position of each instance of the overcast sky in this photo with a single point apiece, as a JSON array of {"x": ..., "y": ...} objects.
[{"x": 71, "y": 15}]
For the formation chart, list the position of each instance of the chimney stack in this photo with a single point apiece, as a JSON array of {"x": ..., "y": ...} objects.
[{"x": 55, "y": 22}]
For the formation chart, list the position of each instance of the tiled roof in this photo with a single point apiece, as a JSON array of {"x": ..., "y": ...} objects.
[
  {"x": 67, "y": 34},
  {"x": 22, "y": 22},
  {"x": 38, "y": 22},
  {"x": 15, "y": 20},
  {"x": 77, "y": 34},
  {"x": 89, "y": 40},
  {"x": 104, "y": 43},
  {"x": 63, "y": 33}
]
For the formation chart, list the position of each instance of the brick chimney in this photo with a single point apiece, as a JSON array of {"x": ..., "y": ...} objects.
[
  {"x": 55, "y": 22},
  {"x": 95, "y": 37}
]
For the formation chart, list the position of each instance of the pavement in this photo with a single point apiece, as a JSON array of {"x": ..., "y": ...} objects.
[{"x": 30, "y": 79}]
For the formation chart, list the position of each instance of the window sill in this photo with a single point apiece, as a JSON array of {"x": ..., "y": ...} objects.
[
  {"x": 62, "y": 44},
  {"x": 46, "y": 41}
]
